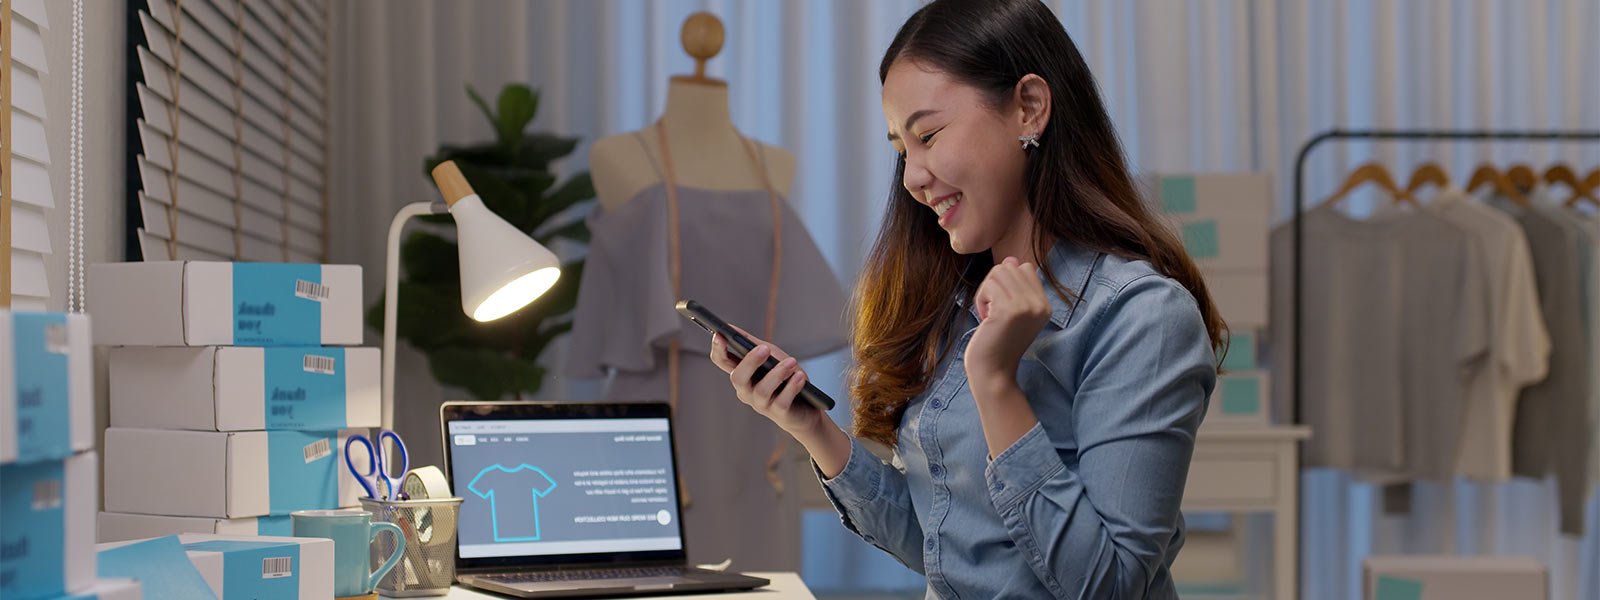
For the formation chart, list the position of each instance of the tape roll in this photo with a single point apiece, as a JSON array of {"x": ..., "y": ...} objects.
[{"x": 423, "y": 483}]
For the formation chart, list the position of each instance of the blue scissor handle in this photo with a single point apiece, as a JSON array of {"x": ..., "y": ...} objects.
[
  {"x": 372, "y": 464},
  {"x": 384, "y": 462}
]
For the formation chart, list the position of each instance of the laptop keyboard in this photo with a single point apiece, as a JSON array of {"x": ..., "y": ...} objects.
[{"x": 587, "y": 574}]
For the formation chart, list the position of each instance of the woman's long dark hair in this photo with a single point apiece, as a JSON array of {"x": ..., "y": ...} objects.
[{"x": 1077, "y": 184}]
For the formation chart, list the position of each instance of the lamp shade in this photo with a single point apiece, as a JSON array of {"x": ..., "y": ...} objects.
[{"x": 502, "y": 269}]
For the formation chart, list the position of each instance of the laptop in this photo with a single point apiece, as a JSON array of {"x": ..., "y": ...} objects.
[{"x": 571, "y": 499}]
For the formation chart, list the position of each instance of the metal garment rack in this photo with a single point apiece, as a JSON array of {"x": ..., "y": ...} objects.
[
  {"x": 1488, "y": 135},
  {"x": 1556, "y": 136}
]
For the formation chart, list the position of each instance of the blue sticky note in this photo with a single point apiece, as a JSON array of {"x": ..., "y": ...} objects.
[
  {"x": 1241, "y": 352},
  {"x": 1200, "y": 239},
  {"x": 161, "y": 565},
  {"x": 1177, "y": 194},
  {"x": 1241, "y": 396},
  {"x": 1397, "y": 588}
]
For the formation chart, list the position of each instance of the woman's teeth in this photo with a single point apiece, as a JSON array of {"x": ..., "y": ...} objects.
[{"x": 945, "y": 206}]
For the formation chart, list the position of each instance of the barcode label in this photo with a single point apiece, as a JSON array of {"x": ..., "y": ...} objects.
[
  {"x": 273, "y": 568},
  {"x": 310, "y": 291},
  {"x": 318, "y": 364},
  {"x": 47, "y": 494},
  {"x": 55, "y": 338},
  {"x": 317, "y": 449}
]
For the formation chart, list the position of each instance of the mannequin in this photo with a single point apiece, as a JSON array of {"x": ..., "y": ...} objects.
[
  {"x": 691, "y": 209},
  {"x": 700, "y": 133}
]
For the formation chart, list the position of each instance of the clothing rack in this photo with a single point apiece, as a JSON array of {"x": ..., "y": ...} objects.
[{"x": 1552, "y": 136}]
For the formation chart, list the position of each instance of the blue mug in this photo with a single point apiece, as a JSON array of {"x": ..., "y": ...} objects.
[{"x": 352, "y": 531}]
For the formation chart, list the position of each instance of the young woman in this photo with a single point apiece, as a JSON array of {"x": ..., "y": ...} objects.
[{"x": 1035, "y": 347}]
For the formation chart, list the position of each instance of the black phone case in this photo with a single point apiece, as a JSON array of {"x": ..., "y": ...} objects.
[{"x": 739, "y": 346}]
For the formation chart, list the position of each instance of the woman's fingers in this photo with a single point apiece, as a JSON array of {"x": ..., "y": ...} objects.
[
  {"x": 791, "y": 388},
  {"x": 720, "y": 356},
  {"x": 742, "y": 374},
  {"x": 776, "y": 351},
  {"x": 769, "y": 383}
]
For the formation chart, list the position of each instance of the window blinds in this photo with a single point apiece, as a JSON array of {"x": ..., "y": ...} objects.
[
  {"x": 233, "y": 135},
  {"x": 24, "y": 151}
]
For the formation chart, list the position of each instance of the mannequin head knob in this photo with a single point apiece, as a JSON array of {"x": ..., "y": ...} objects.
[{"x": 702, "y": 38}]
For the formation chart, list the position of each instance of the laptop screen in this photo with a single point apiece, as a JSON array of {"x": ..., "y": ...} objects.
[{"x": 564, "y": 485}]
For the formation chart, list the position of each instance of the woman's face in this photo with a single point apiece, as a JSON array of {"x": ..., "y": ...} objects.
[{"x": 963, "y": 161}]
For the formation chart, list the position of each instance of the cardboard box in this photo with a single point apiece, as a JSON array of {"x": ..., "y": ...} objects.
[
  {"x": 226, "y": 475},
  {"x": 1241, "y": 296},
  {"x": 258, "y": 567},
  {"x": 193, "y": 303},
  {"x": 110, "y": 589},
  {"x": 120, "y": 527},
  {"x": 1207, "y": 195},
  {"x": 1222, "y": 218},
  {"x": 221, "y": 388},
  {"x": 1241, "y": 398},
  {"x": 1453, "y": 578},
  {"x": 46, "y": 386},
  {"x": 47, "y": 527}
]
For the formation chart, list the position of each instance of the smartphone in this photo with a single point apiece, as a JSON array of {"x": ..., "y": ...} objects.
[{"x": 739, "y": 346}]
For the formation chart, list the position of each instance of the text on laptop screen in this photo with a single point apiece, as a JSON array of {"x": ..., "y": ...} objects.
[{"x": 564, "y": 486}]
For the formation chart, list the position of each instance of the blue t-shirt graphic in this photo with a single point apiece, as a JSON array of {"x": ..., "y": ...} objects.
[{"x": 507, "y": 490}]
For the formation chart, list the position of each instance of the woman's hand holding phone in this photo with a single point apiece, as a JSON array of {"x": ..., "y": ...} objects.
[{"x": 828, "y": 445}]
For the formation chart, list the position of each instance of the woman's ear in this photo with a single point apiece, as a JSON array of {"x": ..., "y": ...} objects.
[{"x": 1033, "y": 104}]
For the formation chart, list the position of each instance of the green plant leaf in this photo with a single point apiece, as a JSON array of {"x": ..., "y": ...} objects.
[
  {"x": 577, "y": 230},
  {"x": 482, "y": 105},
  {"x": 518, "y": 104},
  {"x": 538, "y": 150},
  {"x": 428, "y": 258},
  {"x": 576, "y": 189},
  {"x": 484, "y": 373}
]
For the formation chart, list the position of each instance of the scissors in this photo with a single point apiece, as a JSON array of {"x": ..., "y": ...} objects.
[{"x": 376, "y": 478}]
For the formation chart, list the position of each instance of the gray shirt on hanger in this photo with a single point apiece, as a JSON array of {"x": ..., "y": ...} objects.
[{"x": 1394, "y": 320}]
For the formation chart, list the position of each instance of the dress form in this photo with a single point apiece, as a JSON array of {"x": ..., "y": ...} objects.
[{"x": 707, "y": 150}]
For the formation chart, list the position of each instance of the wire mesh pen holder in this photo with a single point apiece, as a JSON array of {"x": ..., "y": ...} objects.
[{"x": 428, "y": 565}]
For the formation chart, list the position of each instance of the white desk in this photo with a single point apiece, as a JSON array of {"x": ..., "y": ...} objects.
[
  {"x": 785, "y": 586},
  {"x": 1253, "y": 470}
]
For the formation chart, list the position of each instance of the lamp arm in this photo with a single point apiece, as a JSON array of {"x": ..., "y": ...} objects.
[{"x": 391, "y": 296}]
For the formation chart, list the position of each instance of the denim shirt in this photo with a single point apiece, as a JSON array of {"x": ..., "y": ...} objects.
[{"x": 1086, "y": 503}]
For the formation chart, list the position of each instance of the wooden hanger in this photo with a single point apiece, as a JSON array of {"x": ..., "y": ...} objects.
[
  {"x": 1581, "y": 189},
  {"x": 1426, "y": 174},
  {"x": 1523, "y": 177},
  {"x": 1369, "y": 173},
  {"x": 1487, "y": 174}
]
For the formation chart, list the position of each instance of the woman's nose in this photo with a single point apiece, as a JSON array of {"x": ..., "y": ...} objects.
[{"x": 916, "y": 177}]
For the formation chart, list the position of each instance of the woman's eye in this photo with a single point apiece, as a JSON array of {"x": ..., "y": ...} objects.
[{"x": 928, "y": 137}]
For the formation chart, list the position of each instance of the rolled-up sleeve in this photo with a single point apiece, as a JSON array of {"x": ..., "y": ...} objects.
[
  {"x": 874, "y": 503},
  {"x": 1103, "y": 528}
]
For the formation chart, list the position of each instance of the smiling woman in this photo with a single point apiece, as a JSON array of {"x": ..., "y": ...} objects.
[{"x": 1043, "y": 437}]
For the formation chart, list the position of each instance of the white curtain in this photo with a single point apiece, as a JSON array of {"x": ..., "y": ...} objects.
[{"x": 1193, "y": 85}]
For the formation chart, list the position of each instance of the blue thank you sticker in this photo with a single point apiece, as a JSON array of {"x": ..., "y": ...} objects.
[
  {"x": 277, "y": 304},
  {"x": 32, "y": 530},
  {"x": 44, "y": 410},
  {"x": 302, "y": 471},
  {"x": 304, "y": 388}
]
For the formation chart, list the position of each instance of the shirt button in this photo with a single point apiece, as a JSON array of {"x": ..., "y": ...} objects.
[
  {"x": 934, "y": 469},
  {"x": 937, "y": 403},
  {"x": 928, "y": 545},
  {"x": 999, "y": 486},
  {"x": 868, "y": 538}
]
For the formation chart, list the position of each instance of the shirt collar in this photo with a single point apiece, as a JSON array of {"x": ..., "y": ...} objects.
[{"x": 1072, "y": 265}]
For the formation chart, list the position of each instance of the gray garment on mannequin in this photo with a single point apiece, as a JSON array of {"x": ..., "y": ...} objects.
[
  {"x": 625, "y": 321},
  {"x": 1552, "y": 416}
]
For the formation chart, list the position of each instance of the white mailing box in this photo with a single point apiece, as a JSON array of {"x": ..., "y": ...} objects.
[
  {"x": 47, "y": 527},
  {"x": 120, "y": 527},
  {"x": 46, "y": 386},
  {"x": 222, "y": 388},
  {"x": 258, "y": 567},
  {"x": 196, "y": 303},
  {"x": 226, "y": 474}
]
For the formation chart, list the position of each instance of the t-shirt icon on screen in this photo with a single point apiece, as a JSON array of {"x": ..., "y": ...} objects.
[{"x": 504, "y": 489}]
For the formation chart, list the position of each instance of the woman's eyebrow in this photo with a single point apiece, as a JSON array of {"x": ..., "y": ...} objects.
[{"x": 912, "y": 120}]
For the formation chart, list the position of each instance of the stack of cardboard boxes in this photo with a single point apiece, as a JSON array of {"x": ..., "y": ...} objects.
[
  {"x": 233, "y": 387},
  {"x": 1224, "y": 220},
  {"x": 47, "y": 460}
]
